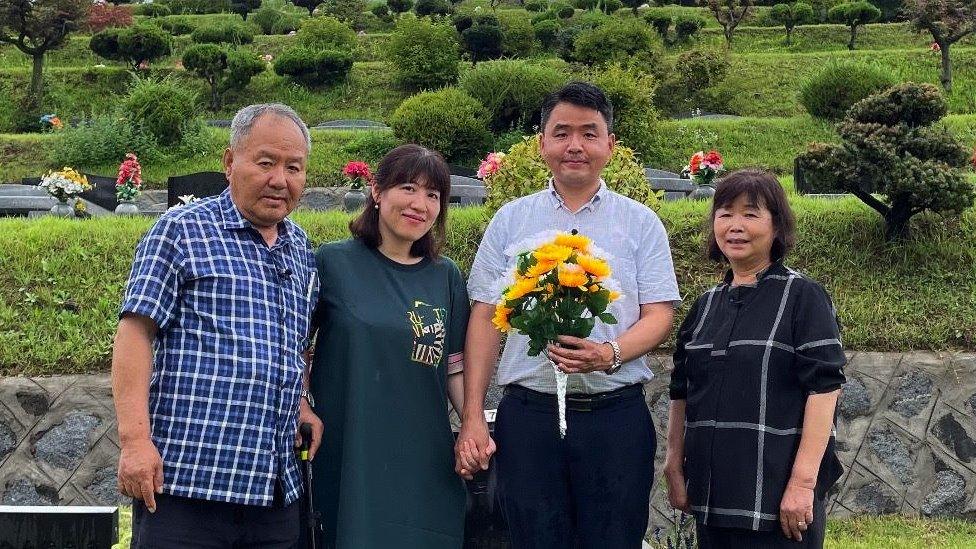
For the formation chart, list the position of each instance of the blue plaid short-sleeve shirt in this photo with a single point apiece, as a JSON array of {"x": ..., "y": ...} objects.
[{"x": 233, "y": 317}]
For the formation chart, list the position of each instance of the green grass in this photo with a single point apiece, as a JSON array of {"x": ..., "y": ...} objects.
[
  {"x": 889, "y": 532},
  {"x": 767, "y": 84},
  {"x": 63, "y": 278},
  {"x": 820, "y": 38}
]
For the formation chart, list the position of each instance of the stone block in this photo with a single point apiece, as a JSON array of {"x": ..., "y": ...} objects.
[
  {"x": 62, "y": 439},
  {"x": 96, "y": 478},
  {"x": 880, "y": 366},
  {"x": 955, "y": 432},
  {"x": 22, "y": 398},
  {"x": 913, "y": 392},
  {"x": 12, "y": 433},
  {"x": 858, "y": 402},
  {"x": 866, "y": 493},
  {"x": 891, "y": 453},
  {"x": 23, "y": 483}
]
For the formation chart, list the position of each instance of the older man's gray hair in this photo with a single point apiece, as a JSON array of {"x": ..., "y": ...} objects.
[{"x": 244, "y": 120}]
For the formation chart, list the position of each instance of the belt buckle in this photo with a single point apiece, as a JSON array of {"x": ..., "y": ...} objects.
[{"x": 579, "y": 404}]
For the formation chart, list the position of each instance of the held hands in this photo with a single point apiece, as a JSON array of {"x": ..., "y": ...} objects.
[
  {"x": 796, "y": 510},
  {"x": 141, "y": 472},
  {"x": 474, "y": 447},
  {"x": 580, "y": 356},
  {"x": 306, "y": 415}
]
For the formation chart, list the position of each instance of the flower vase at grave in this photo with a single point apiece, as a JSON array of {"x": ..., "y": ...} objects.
[
  {"x": 62, "y": 209},
  {"x": 127, "y": 207},
  {"x": 353, "y": 200}
]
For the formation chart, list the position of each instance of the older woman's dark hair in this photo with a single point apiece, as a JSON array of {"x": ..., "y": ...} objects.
[
  {"x": 762, "y": 189},
  {"x": 407, "y": 164}
]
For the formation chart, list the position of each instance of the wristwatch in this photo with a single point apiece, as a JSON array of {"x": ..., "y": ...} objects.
[
  {"x": 307, "y": 396},
  {"x": 617, "y": 364}
]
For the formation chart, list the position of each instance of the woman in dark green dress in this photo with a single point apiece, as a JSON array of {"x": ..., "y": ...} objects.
[{"x": 391, "y": 321}]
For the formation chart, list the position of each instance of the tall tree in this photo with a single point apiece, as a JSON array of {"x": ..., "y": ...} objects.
[
  {"x": 948, "y": 21},
  {"x": 38, "y": 26},
  {"x": 854, "y": 15},
  {"x": 729, "y": 13}
]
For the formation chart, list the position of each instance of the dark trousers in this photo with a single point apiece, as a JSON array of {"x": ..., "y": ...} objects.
[
  {"x": 196, "y": 523},
  {"x": 713, "y": 537},
  {"x": 589, "y": 490}
]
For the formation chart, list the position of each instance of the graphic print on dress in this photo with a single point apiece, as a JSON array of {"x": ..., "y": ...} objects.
[{"x": 428, "y": 333}]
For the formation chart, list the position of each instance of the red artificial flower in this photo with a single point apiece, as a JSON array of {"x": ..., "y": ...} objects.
[
  {"x": 695, "y": 163},
  {"x": 713, "y": 157},
  {"x": 130, "y": 172},
  {"x": 357, "y": 169}
]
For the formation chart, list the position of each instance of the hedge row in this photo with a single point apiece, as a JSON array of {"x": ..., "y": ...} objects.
[{"x": 62, "y": 279}]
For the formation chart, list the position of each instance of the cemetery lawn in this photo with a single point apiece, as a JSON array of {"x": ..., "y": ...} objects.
[{"x": 858, "y": 533}]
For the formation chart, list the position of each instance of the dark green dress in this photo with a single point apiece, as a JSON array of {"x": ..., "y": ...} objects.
[{"x": 384, "y": 475}]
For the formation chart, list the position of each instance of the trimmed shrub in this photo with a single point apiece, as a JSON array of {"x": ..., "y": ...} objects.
[
  {"x": 832, "y": 91},
  {"x": 197, "y": 7},
  {"x": 244, "y": 7},
  {"x": 702, "y": 88},
  {"x": 423, "y": 54},
  {"x": 512, "y": 91},
  {"x": 161, "y": 107},
  {"x": 854, "y": 15},
  {"x": 544, "y": 16},
  {"x": 154, "y": 10},
  {"x": 432, "y": 7},
  {"x": 350, "y": 12},
  {"x": 610, "y": 6},
  {"x": 631, "y": 92},
  {"x": 278, "y": 17},
  {"x": 685, "y": 28},
  {"x": 546, "y": 32},
  {"x": 523, "y": 172},
  {"x": 519, "y": 38},
  {"x": 449, "y": 121},
  {"x": 483, "y": 41},
  {"x": 327, "y": 33},
  {"x": 177, "y": 26},
  {"x": 380, "y": 10},
  {"x": 562, "y": 10},
  {"x": 222, "y": 33},
  {"x": 536, "y": 5},
  {"x": 618, "y": 41},
  {"x": 133, "y": 45},
  {"x": 400, "y": 6},
  {"x": 313, "y": 67},
  {"x": 221, "y": 69}
]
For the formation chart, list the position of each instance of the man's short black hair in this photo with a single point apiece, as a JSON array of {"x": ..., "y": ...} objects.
[{"x": 581, "y": 94}]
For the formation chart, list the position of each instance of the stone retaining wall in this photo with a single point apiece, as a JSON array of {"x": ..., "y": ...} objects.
[{"x": 906, "y": 432}]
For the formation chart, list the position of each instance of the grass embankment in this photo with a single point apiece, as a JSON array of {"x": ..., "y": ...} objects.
[
  {"x": 63, "y": 279},
  {"x": 770, "y": 143}
]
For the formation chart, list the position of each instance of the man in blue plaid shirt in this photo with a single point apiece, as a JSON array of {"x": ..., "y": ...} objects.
[{"x": 207, "y": 369}]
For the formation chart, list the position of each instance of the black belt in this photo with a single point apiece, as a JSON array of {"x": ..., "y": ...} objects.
[{"x": 577, "y": 402}]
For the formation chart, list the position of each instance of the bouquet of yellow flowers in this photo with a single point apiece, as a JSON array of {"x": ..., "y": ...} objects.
[{"x": 560, "y": 285}]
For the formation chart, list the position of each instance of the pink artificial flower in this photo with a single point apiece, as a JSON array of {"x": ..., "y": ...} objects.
[
  {"x": 144, "y": 65},
  {"x": 935, "y": 47},
  {"x": 490, "y": 165},
  {"x": 712, "y": 160},
  {"x": 130, "y": 172}
]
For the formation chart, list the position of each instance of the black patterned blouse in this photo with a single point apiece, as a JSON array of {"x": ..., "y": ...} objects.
[{"x": 746, "y": 359}]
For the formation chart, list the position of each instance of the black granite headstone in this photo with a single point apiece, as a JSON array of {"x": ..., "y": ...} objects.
[
  {"x": 102, "y": 193},
  {"x": 200, "y": 185}
]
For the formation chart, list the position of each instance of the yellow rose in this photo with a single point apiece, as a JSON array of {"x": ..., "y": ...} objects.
[
  {"x": 553, "y": 253},
  {"x": 501, "y": 318},
  {"x": 594, "y": 288},
  {"x": 575, "y": 241},
  {"x": 614, "y": 296},
  {"x": 522, "y": 287},
  {"x": 592, "y": 265},
  {"x": 540, "y": 269},
  {"x": 571, "y": 275}
]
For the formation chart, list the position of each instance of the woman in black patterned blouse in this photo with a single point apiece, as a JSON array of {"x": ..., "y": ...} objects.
[{"x": 757, "y": 371}]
